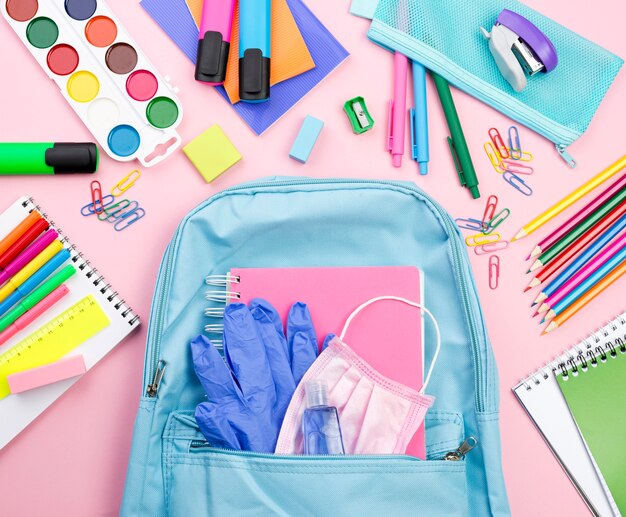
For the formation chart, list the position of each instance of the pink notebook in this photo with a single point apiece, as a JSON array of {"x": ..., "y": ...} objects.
[{"x": 387, "y": 334}]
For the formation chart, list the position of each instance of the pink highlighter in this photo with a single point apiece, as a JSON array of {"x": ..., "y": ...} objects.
[{"x": 214, "y": 41}]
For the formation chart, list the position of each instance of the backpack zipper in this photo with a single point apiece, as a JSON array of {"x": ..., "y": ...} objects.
[
  {"x": 556, "y": 133},
  {"x": 155, "y": 327}
]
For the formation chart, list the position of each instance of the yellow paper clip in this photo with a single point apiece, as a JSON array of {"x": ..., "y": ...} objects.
[
  {"x": 494, "y": 158},
  {"x": 126, "y": 182},
  {"x": 478, "y": 239},
  {"x": 525, "y": 156}
]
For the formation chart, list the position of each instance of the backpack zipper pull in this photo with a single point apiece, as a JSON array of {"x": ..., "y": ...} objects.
[
  {"x": 562, "y": 150},
  {"x": 153, "y": 387},
  {"x": 463, "y": 449}
]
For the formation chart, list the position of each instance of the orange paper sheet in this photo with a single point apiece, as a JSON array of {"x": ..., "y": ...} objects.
[{"x": 290, "y": 55}]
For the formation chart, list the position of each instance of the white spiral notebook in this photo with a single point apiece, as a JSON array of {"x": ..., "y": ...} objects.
[
  {"x": 92, "y": 314},
  {"x": 541, "y": 397}
]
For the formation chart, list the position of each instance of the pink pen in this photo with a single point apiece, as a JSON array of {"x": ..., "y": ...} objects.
[
  {"x": 214, "y": 40},
  {"x": 29, "y": 316},
  {"x": 397, "y": 109},
  {"x": 587, "y": 270},
  {"x": 29, "y": 254}
]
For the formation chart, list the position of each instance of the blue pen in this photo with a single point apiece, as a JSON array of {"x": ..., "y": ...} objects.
[
  {"x": 588, "y": 283},
  {"x": 419, "y": 119},
  {"x": 39, "y": 276},
  {"x": 583, "y": 258},
  {"x": 254, "y": 50}
]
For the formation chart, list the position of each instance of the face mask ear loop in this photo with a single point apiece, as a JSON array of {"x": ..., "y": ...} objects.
[{"x": 412, "y": 304}]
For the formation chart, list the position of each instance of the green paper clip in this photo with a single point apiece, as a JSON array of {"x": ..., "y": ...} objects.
[
  {"x": 497, "y": 220},
  {"x": 114, "y": 209},
  {"x": 359, "y": 117}
]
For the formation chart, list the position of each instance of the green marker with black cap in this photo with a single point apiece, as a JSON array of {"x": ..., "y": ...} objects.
[{"x": 48, "y": 158}]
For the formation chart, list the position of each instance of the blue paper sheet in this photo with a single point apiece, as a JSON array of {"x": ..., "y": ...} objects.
[{"x": 174, "y": 18}]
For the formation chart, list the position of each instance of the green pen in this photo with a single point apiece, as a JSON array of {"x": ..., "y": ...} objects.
[
  {"x": 456, "y": 140},
  {"x": 48, "y": 158},
  {"x": 36, "y": 296}
]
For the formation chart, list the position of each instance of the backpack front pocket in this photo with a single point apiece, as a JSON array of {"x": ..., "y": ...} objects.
[{"x": 201, "y": 480}]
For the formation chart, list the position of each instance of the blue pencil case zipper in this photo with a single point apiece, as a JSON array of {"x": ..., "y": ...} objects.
[{"x": 444, "y": 35}]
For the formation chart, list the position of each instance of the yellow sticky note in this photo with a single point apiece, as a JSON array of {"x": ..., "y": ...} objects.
[{"x": 212, "y": 153}]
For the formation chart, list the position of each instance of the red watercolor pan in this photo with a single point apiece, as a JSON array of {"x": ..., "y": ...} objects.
[{"x": 62, "y": 59}]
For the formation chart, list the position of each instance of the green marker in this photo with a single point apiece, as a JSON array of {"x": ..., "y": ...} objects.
[
  {"x": 36, "y": 296},
  {"x": 456, "y": 141},
  {"x": 48, "y": 158}
]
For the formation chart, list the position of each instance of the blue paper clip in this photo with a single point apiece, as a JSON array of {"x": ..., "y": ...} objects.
[
  {"x": 517, "y": 183},
  {"x": 470, "y": 224},
  {"x": 128, "y": 219},
  {"x": 514, "y": 143},
  {"x": 89, "y": 209},
  {"x": 113, "y": 209}
]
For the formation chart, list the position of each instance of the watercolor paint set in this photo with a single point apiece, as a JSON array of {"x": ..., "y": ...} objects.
[{"x": 128, "y": 107}]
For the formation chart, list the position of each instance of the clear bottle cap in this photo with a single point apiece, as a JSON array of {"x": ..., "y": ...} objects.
[{"x": 316, "y": 393}]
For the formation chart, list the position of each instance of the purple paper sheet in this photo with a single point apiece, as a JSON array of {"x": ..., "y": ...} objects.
[{"x": 174, "y": 18}]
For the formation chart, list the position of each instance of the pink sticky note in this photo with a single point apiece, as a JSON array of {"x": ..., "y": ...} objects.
[{"x": 47, "y": 374}]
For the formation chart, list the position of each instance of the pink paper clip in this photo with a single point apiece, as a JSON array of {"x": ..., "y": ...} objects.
[
  {"x": 518, "y": 168},
  {"x": 499, "y": 144},
  {"x": 490, "y": 210},
  {"x": 494, "y": 271},
  {"x": 96, "y": 196},
  {"x": 492, "y": 247}
]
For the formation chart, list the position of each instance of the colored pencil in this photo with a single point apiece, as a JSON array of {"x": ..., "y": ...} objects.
[
  {"x": 596, "y": 247},
  {"x": 578, "y": 217},
  {"x": 597, "y": 289},
  {"x": 19, "y": 230},
  {"x": 612, "y": 252},
  {"x": 570, "y": 237},
  {"x": 570, "y": 199},
  {"x": 581, "y": 243}
]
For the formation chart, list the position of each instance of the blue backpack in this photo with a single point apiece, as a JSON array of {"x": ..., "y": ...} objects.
[{"x": 284, "y": 222}]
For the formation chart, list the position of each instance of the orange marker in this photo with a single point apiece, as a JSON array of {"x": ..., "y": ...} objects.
[
  {"x": 19, "y": 230},
  {"x": 602, "y": 285}
]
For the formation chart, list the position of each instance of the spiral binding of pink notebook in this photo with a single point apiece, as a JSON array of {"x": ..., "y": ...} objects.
[{"x": 387, "y": 335}]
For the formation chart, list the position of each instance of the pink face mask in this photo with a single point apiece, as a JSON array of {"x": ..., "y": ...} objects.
[{"x": 377, "y": 415}]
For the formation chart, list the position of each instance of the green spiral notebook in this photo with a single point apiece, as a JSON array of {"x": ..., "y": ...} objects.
[{"x": 595, "y": 390}]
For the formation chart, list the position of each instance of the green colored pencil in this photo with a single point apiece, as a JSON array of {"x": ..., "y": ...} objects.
[{"x": 559, "y": 246}]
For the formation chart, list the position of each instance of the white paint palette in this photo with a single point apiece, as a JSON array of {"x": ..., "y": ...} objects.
[{"x": 102, "y": 74}]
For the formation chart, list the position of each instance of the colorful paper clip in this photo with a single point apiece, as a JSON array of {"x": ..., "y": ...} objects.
[
  {"x": 498, "y": 143},
  {"x": 485, "y": 249},
  {"x": 525, "y": 156},
  {"x": 494, "y": 271},
  {"x": 89, "y": 208},
  {"x": 114, "y": 209},
  {"x": 470, "y": 224},
  {"x": 496, "y": 221},
  {"x": 479, "y": 239},
  {"x": 515, "y": 147},
  {"x": 96, "y": 196},
  {"x": 120, "y": 214},
  {"x": 517, "y": 183},
  {"x": 494, "y": 158},
  {"x": 518, "y": 168},
  {"x": 128, "y": 219},
  {"x": 126, "y": 182},
  {"x": 490, "y": 211}
]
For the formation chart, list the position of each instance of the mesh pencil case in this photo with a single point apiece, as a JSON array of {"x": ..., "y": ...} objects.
[{"x": 444, "y": 35}]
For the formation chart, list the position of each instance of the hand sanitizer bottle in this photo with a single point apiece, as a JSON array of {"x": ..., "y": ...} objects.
[{"x": 320, "y": 422}]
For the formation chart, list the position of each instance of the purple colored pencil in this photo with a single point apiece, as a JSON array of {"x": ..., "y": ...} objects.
[{"x": 579, "y": 216}]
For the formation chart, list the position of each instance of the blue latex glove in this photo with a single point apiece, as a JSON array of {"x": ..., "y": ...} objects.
[{"x": 248, "y": 398}]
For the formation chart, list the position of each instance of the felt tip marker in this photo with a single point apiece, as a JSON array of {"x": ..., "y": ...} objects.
[
  {"x": 254, "y": 50},
  {"x": 214, "y": 41},
  {"x": 48, "y": 158}
]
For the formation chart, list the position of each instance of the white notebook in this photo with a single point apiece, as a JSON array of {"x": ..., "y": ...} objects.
[
  {"x": 18, "y": 410},
  {"x": 542, "y": 399}
]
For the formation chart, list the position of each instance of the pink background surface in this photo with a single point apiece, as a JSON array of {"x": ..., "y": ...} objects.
[{"x": 73, "y": 460}]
